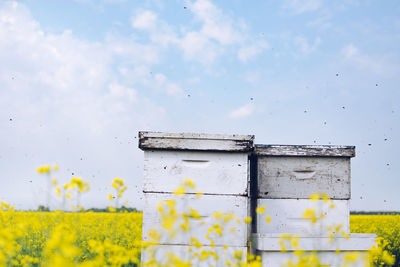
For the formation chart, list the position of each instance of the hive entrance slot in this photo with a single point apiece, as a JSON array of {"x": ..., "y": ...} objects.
[
  {"x": 196, "y": 163},
  {"x": 303, "y": 174}
]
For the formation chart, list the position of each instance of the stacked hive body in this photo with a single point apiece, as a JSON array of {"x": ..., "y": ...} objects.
[
  {"x": 284, "y": 178},
  {"x": 218, "y": 166},
  {"x": 237, "y": 177}
]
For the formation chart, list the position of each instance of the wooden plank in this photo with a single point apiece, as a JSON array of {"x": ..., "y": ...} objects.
[
  {"x": 192, "y": 141},
  {"x": 305, "y": 150},
  {"x": 355, "y": 242},
  {"x": 196, "y": 136},
  {"x": 211, "y": 172},
  {"x": 287, "y": 216},
  {"x": 299, "y": 177},
  {"x": 206, "y": 205},
  {"x": 326, "y": 258},
  {"x": 161, "y": 253}
]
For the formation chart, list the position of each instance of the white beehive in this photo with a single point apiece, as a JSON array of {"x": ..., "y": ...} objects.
[
  {"x": 236, "y": 177},
  {"x": 288, "y": 175},
  {"x": 299, "y": 171},
  {"x": 284, "y": 178},
  {"x": 218, "y": 166}
]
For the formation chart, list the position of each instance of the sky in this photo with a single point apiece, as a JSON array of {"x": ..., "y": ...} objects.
[{"x": 79, "y": 79}]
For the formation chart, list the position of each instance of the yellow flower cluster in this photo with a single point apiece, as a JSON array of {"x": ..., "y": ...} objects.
[
  {"x": 120, "y": 187},
  {"x": 387, "y": 227},
  {"x": 176, "y": 222},
  {"x": 69, "y": 239},
  {"x": 47, "y": 168},
  {"x": 76, "y": 182}
]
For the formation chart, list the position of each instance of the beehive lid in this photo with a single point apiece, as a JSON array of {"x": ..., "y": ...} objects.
[
  {"x": 305, "y": 150},
  {"x": 195, "y": 142}
]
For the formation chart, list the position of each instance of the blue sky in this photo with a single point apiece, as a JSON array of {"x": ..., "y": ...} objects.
[{"x": 79, "y": 79}]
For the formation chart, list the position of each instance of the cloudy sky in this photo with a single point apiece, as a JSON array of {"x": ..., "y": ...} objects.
[{"x": 79, "y": 79}]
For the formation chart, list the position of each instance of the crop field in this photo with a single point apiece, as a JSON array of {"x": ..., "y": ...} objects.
[
  {"x": 387, "y": 227},
  {"x": 114, "y": 239},
  {"x": 69, "y": 239}
]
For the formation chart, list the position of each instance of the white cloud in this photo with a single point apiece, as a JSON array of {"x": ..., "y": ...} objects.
[
  {"x": 146, "y": 20},
  {"x": 161, "y": 83},
  {"x": 131, "y": 51},
  {"x": 217, "y": 32},
  {"x": 302, "y": 6},
  {"x": 350, "y": 51},
  {"x": 216, "y": 25},
  {"x": 70, "y": 97},
  {"x": 247, "y": 52},
  {"x": 375, "y": 64},
  {"x": 122, "y": 92},
  {"x": 198, "y": 47},
  {"x": 100, "y": 1},
  {"x": 243, "y": 111},
  {"x": 160, "y": 32},
  {"x": 143, "y": 77}
]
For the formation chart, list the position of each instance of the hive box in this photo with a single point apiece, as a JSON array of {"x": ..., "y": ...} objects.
[
  {"x": 217, "y": 164},
  {"x": 235, "y": 176},
  {"x": 287, "y": 216},
  {"x": 291, "y": 172},
  {"x": 284, "y": 178},
  {"x": 206, "y": 205}
]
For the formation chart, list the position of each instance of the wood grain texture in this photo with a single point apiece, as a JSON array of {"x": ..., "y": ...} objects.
[
  {"x": 287, "y": 216},
  {"x": 211, "y": 172},
  {"x": 299, "y": 177},
  {"x": 193, "y": 141},
  {"x": 305, "y": 150}
]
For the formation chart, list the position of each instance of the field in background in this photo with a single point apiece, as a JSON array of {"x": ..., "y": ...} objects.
[
  {"x": 387, "y": 227},
  {"x": 98, "y": 239},
  {"x": 62, "y": 239}
]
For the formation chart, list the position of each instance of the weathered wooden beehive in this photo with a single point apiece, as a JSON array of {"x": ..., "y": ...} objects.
[
  {"x": 285, "y": 177},
  {"x": 218, "y": 166},
  {"x": 236, "y": 176},
  {"x": 288, "y": 175}
]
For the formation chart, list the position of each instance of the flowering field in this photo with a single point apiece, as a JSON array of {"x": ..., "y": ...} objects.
[
  {"x": 69, "y": 239},
  {"x": 100, "y": 239},
  {"x": 114, "y": 239},
  {"x": 387, "y": 227}
]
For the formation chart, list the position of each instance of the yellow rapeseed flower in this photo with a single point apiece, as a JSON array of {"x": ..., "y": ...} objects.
[
  {"x": 260, "y": 210},
  {"x": 247, "y": 220},
  {"x": 44, "y": 169},
  {"x": 189, "y": 183},
  {"x": 180, "y": 190},
  {"x": 58, "y": 190},
  {"x": 310, "y": 214},
  {"x": 218, "y": 215},
  {"x": 351, "y": 256}
]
